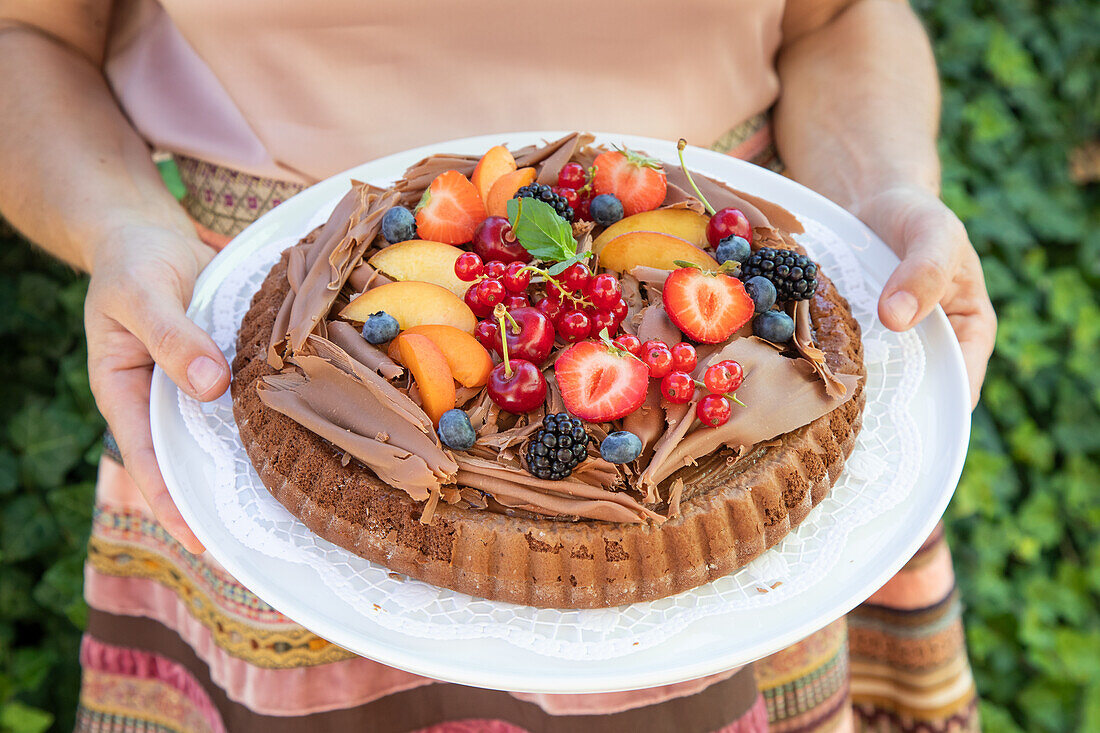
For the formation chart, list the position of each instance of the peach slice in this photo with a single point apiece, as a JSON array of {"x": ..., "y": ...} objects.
[
  {"x": 412, "y": 303},
  {"x": 469, "y": 361},
  {"x": 505, "y": 188},
  {"x": 426, "y": 261},
  {"x": 652, "y": 249},
  {"x": 683, "y": 223},
  {"x": 496, "y": 162},
  {"x": 430, "y": 371}
]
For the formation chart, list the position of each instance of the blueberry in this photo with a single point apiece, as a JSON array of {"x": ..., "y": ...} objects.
[
  {"x": 455, "y": 430},
  {"x": 621, "y": 447},
  {"x": 606, "y": 209},
  {"x": 762, "y": 292},
  {"x": 398, "y": 225},
  {"x": 774, "y": 326},
  {"x": 733, "y": 248},
  {"x": 380, "y": 327}
]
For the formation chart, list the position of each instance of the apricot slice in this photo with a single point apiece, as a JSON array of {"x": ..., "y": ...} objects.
[
  {"x": 412, "y": 303},
  {"x": 469, "y": 361},
  {"x": 430, "y": 371},
  {"x": 683, "y": 223},
  {"x": 505, "y": 188},
  {"x": 496, "y": 162},
  {"x": 422, "y": 260},
  {"x": 652, "y": 249}
]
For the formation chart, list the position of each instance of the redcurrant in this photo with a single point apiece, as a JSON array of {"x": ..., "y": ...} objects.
[
  {"x": 604, "y": 319},
  {"x": 516, "y": 301},
  {"x": 471, "y": 298},
  {"x": 628, "y": 342},
  {"x": 718, "y": 378},
  {"x": 713, "y": 410},
  {"x": 678, "y": 387},
  {"x": 490, "y": 292},
  {"x": 737, "y": 374},
  {"x": 487, "y": 334},
  {"x": 494, "y": 269},
  {"x": 550, "y": 307},
  {"x": 516, "y": 278},
  {"x": 468, "y": 266},
  {"x": 576, "y": 276},
  {"x": 604, "y": 291},
  {"x": 573, "y": 325},
  {"x": 683, "y": 356},
  {"x": 572, "y": 176},
  {"x": 657, "y": 357}
]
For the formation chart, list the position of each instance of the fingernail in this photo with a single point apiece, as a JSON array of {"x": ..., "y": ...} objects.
[
  {"x": 902, "y": 307},
  {"x": 203, "y": 373}
]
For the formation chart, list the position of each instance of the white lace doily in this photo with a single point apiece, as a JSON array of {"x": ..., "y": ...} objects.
[{"x": 878, "y": 475}]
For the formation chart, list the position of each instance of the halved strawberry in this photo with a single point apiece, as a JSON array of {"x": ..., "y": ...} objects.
[
  {"x": 450, "y": 210},
  {"x": 637, "y": 181},
  {"x": 599, "y": 383},
  {"x": 707, "y": 306}
]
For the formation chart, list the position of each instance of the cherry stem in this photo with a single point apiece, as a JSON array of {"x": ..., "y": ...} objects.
[
  {"x": 515, "y": 326},
  {"x": 680, "y": 151},
  {"x": 499, "y": 312}
]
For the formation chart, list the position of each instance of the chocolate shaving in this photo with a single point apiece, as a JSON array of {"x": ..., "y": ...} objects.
[{"x": 804, "y": 344}]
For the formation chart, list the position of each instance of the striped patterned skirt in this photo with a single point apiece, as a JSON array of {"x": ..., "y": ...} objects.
[{"x": 174, "y": 643}]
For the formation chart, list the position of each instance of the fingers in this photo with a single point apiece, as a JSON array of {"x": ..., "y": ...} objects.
[
  {"x": 184, "y": 351},
  {"x": 934, "y": 242},
  {"x": 123, "y": 398}
]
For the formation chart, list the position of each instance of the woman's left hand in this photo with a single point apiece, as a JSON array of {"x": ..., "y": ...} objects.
[{"x": 938, "y": 266}]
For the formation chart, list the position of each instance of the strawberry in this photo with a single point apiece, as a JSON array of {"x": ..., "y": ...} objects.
[
  {"x": 637, "y": 181},
  {"x": 600, "y": 382},
  {"x": 450, "y": 210},
  {"x": 707, "y": 306}
]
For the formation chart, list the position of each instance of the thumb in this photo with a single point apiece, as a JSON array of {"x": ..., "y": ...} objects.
[
  {"x": 184, "y": 351},
  {"x": 931, "y": 243}
]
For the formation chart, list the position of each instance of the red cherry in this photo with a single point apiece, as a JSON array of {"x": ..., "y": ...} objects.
[
  {"x": 604, "y": 290},
  {"x": 516, "y": 278},
  {"x": 487, "y": 334},
  {"x": 572, "y": 176},
  {"x": 683, "y": 356},
  {"x": 489, "y": 292},
  {"x": 494, "y": 240},
  {"x": 678, "y": 387},
  {"x": 737, "y": 374},
  {"x": 726, "y": 223},
  {"x": 550, "y": 307},
  {"x": 520, "y": 392},
  {"x": 713, "y": 410},
  {"x": 516, "y": 301},
  {"x": 468, "y": 266},
  {"x": 628, "y": 342},
  {"x": 574, "y": 325},
  {"x": 602, "y": 320},
  {"x": 473, "y": 300},
  {"x": 719, "y": 378},
  {"x": 494, "y": 269},
  {"x": 658, "y": 358},
  {"x": 576, "y": 276},
  {"x": 535, "y": 339}
]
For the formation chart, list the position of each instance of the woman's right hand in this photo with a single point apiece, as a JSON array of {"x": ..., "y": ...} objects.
[{"x": 142, "y": 278}]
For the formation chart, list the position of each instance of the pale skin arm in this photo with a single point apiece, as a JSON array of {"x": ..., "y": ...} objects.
[
  {"x": 857, "y": 121},
  {"x": 77, "y": 180}
]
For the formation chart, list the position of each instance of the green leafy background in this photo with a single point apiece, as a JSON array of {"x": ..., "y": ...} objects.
[{"x": 1020, "y": 93}]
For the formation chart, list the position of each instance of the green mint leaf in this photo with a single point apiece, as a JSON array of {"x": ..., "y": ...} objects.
[{"x": 540, "y": 230}]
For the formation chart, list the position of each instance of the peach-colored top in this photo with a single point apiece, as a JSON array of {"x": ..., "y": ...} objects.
[{"x": 302, "y": 90}]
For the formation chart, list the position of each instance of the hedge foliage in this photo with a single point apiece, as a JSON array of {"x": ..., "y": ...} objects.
[{"x": 1020, "y": 95}]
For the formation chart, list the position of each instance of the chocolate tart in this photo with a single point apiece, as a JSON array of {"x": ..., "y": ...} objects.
[{"x": 732, "y": 507}]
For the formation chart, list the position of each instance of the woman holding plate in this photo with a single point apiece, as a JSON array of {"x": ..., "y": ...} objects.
[{"x": 257, "y": 100}]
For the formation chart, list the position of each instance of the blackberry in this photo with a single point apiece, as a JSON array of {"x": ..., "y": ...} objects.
[
  {"x": 793, "y": 275},
  {"x": 557, "y": 448},
  {"x": 544, "y": 193}
]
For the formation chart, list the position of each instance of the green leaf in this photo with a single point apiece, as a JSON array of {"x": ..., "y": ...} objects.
[
  {"x": 540, "y": 230},
  {"x": 15, "y": 717},
  {"x": 51, "y": 439}
]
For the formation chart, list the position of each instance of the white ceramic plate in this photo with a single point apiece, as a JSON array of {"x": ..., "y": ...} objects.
[{"x": 871, "y": 554}]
